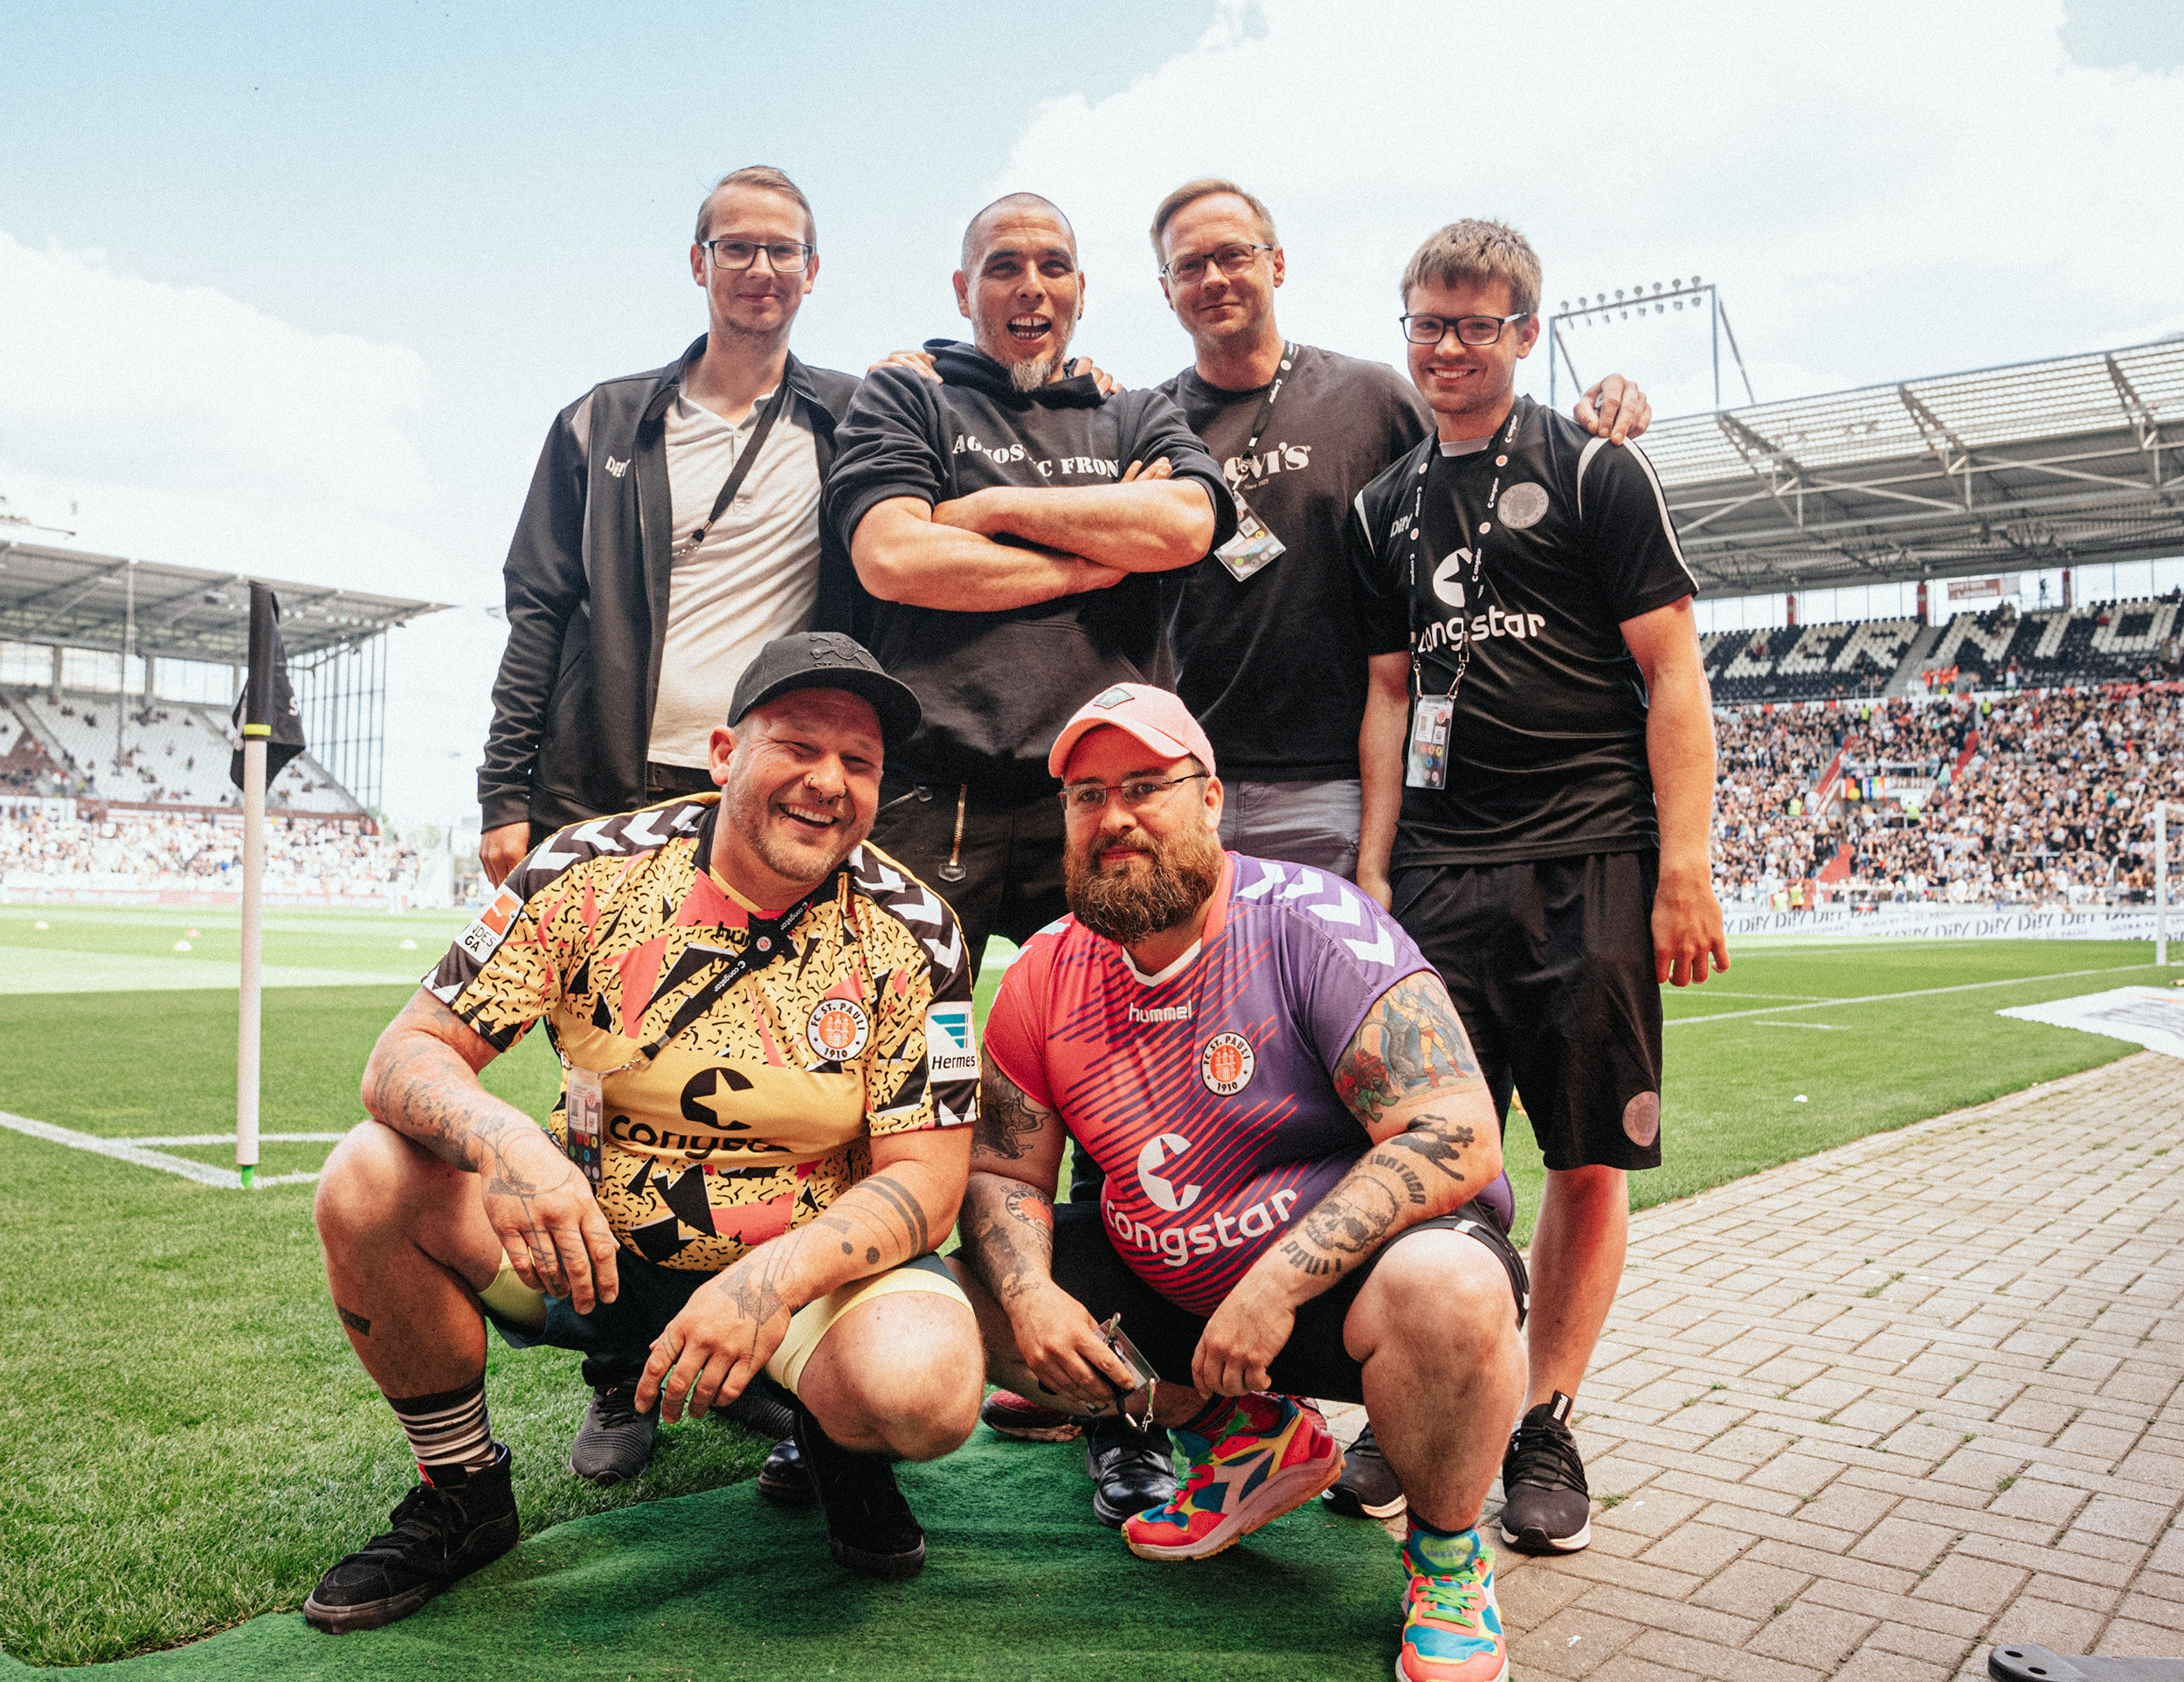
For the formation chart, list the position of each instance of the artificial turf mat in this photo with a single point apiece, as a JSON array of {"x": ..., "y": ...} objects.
[{"x": 1020, "y": 1581}]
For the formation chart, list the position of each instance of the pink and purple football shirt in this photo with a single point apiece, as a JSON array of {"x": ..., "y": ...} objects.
[{"x": 1205, "y": 1092}]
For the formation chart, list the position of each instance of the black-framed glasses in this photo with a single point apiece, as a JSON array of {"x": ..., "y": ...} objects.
[
  {"x": 787, "y": 256},
  {"x": 1137, "y": 793},
  {"x": 1230, "y": 260},
  {"x": 1469, "y": 330}
]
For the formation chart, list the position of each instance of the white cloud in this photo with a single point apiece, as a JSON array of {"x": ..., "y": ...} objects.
[
  {"x": 179, "y": 424},
  {"x": 1881, "y": 190}
]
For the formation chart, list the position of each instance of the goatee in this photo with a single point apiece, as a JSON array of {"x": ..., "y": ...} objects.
[{"x": 1127, "y": 904}]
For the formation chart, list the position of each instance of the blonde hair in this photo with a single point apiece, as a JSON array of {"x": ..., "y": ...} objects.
[
  {"x": 769, "y": 179},
  {"x": 1476, "y": 251},
  {"x": 1206, "y": 187}
]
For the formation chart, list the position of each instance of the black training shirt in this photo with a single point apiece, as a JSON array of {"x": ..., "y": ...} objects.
[
  {"x": 997, "y": 688},
  {"x": 1540, "y": 545},
  {"x": 1273, "y": 665}
]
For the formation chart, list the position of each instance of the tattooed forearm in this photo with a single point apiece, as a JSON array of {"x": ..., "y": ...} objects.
[
  {"x": 1007, "y": 1119},
  {"x": 1413, "y": 1187},
  {"x": 1008, "y": 1234},
  {"x": 903, "y": 1201},
  {"x": 420, "y": 1085},
  {"x": 1434, "y": 1139}
]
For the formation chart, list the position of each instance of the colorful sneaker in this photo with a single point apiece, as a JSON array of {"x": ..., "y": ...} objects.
[
  {"x": 1273, "y": 1453},
  {"x": 1025, "y": 1420},
  {"x": 1452, "y": 1629}
]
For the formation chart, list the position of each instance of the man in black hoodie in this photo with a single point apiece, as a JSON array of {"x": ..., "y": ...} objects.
[{"x": 1006, "y": 524}]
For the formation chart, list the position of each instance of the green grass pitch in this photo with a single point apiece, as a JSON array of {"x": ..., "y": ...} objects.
[{"x": 188, "y": 1442}]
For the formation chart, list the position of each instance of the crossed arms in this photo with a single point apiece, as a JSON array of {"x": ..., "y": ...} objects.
[
  {"x": 421, "y": 1081},
  {"x": 1081, "y": 537},
  {"x": 1409, "y": 1078}
]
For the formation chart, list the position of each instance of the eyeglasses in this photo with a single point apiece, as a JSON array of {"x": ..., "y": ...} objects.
[
  {"x": 1230, "y": 260},
  {"x": 786, "y": 256},
  {"x": 1137, "y": 793},
  {"x": 1470, "y": 330}
]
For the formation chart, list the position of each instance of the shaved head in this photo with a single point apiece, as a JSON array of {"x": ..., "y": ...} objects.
[{"x": 1010, "y": 204}]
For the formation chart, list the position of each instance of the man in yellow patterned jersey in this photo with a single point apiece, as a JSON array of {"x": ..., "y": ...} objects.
[{"x": 768, "y": 1065}]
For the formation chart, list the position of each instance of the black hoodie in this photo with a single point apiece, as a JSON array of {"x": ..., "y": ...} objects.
[{"x": 997, "y": 688}]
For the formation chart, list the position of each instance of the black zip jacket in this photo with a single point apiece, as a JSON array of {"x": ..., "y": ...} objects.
[
  {"x": 997, "y": 688},
  {"x": 587, "y": 583}
]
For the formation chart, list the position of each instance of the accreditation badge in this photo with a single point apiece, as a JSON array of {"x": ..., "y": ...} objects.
[
  {"x": 586, "y": 1094},
  {"x": 1428, "y": 766},
  {"x": 1254, "y": 545}
]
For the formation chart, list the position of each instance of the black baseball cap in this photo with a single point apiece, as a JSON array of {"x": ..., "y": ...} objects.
[{"x": 826, "y": 660}]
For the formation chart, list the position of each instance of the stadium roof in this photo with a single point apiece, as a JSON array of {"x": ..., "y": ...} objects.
[
  {"x": 84, "y": 601},
  {"x": 2038, "y": 464}
]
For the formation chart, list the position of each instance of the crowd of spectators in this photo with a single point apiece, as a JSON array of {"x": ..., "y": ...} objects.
[
  {"x": 148, "y": 850},
  {"x": 2034, "y": 799}
]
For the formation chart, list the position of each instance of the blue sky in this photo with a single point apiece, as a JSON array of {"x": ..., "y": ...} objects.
[{"x": 296, "y": 289}]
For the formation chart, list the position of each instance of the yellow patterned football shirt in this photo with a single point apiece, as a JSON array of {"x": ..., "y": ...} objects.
[{"x": 752, "y": 1119}]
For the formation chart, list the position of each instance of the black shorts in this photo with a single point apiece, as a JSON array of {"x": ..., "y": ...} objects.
[
  {"x": 1312, "y": 1363},
  {"x": 1551, "y": 965},
  {"x": 1006, "y": 874}
]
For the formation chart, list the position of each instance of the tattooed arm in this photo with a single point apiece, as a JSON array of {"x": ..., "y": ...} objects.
[
  {"x": 1008, "y": 1227},
  {"x": 1409, "y": 1078},
  {"x": 421, "y": 1081},
  {"x": 731, "y": 1327}
]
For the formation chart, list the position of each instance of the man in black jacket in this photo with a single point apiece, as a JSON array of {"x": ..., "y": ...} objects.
[
  {"x": 671, "y": 530},
  {"x": 643, "y": 576},
  {"x": 1008, "y": 522}
]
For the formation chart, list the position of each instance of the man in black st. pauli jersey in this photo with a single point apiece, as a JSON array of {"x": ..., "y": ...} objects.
[{"x": 1537, "y": 761}]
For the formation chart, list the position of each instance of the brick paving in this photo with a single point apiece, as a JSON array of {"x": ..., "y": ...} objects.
[{"x": 1865, "y": 1415}]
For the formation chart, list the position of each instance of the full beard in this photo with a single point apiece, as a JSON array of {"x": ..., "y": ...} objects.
[{"x": 1128, "y": 904}]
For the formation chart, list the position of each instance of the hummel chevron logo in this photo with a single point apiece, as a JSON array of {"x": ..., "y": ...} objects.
[
  {"x": 1273, "y": 878},
  {"x": 1344, "y": 909},
  {"x": 1379, "y": 950},
  {"x": 617, "y": 469}
]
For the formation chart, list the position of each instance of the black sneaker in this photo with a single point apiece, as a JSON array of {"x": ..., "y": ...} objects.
[
  {"x": 1547, "y": 1507},
  {"x": 1129, "y": 1469},
  {"x": 870, "y": 1528},
  {"x": 615, "y": 1441},
  {"x": 761, "y": 1410},
  {"x": 442, "y": 1533},
  {"x": 1367, "y": 1488},
  {"x": 784, "y": 1479}
]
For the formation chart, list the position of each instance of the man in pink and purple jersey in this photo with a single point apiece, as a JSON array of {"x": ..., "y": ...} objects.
[{"x": 1296, "y": 1141}]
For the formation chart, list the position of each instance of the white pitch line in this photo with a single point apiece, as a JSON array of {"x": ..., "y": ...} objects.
[
  {"x": 1916, "y": 993},
  {"x": 124, "y": 1150},
  {"x": 1830, "y": 1028},
  {"x": 229, "y": 1139}
]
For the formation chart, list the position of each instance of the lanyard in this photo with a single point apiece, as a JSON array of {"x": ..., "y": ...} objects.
[
  {"x": 1265, "y": 405},
  {"x": 743, "y": 464},
  {"x": 768, "y": 942},
  {"x": 1478, "y": 556}
]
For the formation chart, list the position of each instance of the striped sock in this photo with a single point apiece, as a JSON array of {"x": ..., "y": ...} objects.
[{"x": 449, "y": 1433}]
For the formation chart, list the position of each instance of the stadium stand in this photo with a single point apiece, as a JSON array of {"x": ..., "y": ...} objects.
[
  {"x": 172, "y": 753},
  {"x": 141, "y": 850},
  {"x": 2033, "y": 797},
  {"x": 2108, "y": 642}
]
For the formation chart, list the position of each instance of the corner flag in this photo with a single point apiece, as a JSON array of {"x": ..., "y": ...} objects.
[
  {"x": 266, "y": 707},
  {"x": 272, "y": 734}
]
